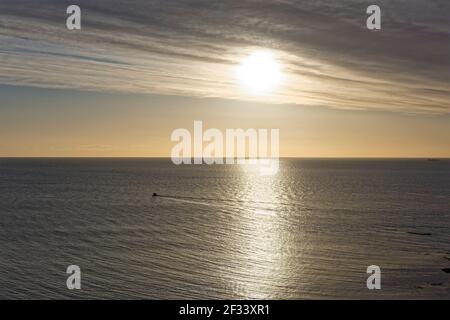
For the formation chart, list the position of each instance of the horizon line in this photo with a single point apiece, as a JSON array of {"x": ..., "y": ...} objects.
[{"x": 144, "y": 157}]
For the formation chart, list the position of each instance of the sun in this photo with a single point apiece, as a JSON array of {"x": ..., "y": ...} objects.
[{"x": 259, "y": 72}]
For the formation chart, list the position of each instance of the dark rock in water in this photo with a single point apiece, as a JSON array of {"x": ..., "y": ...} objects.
[
  {"x": 436, "y": 284},
  {"x": 420, "y": 233},
  {"x": 446, "y": 270}
]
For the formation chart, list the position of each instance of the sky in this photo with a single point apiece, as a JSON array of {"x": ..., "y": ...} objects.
[{"x": 137, "y": 70}]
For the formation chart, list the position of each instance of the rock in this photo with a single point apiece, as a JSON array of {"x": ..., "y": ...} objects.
[{"x": 446, "y": 270}]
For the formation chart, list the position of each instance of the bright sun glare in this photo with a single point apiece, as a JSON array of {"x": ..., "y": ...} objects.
[{"x": 259, "y": 72}]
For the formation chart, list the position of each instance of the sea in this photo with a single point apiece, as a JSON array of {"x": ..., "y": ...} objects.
[{"x": 224, "y": 231}]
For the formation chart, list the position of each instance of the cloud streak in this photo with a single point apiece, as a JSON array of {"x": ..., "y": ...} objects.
[{"x": 192, "y": 48}]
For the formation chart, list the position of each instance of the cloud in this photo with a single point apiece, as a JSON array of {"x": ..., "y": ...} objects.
[{"x": 192, "y": 48}]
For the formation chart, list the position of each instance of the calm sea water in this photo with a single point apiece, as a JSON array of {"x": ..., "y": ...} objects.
[{"x": 224, "y": 231}]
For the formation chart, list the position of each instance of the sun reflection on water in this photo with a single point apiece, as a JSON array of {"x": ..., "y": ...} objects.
[{"x": 259, "y": 248}]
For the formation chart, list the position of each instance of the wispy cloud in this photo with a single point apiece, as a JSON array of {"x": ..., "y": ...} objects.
[{"x": 192, "y": 48}]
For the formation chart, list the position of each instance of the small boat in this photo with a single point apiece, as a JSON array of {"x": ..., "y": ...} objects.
[{"x": 155, "y": 194}]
